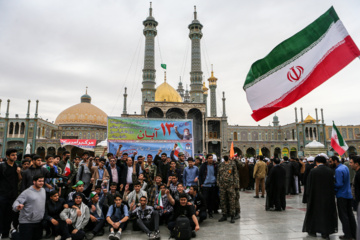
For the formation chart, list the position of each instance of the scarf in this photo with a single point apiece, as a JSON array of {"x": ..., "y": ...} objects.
[{"x": 80, "y": 219}]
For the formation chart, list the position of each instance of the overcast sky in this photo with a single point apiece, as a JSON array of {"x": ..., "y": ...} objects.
[{"x": 51, "y": 50}]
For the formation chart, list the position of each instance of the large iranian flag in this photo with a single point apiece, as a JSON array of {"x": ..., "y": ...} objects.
[
  {"x": 298, "y": 65},
  {"x": 337, "y": 141}
]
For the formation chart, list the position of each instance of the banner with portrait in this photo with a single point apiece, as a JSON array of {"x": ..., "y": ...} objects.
[{"x": 147, "y": 136}]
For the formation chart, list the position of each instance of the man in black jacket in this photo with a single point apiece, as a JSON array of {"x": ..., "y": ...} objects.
[
  {"x": 9, "y": 179},
  {"x": 199, "y": 203},
  {"x": 126, "y": 174},
  {"x": 207, "y": 179},
  {"x": 36, "y": 169},
  {"x": 53, "y": 208},
  {"x": 114, "y": 172},
  {"x": 162, "y": 166}
]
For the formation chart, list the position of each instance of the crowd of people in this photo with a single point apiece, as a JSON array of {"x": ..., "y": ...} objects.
[{"x": 79, "y": 198}]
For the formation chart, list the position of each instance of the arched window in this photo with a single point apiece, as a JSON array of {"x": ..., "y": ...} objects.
[
  {"x": 11, "y": 128},
  {"x": 235, "y": 136},
  {"x": 22, "y": 128},
  {"x": 17, "y": 128}
]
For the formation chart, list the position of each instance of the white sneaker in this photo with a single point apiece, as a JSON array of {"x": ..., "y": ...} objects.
[
  {"x": 118, "y": 235},
  {"x": 57, "y": 237},
  {"x": 112, "y": 236}
]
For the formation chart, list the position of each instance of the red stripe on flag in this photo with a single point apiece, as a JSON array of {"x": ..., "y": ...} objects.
[
  {"x": 337, "y": 147},
  {"x": 333, "y": 63}
]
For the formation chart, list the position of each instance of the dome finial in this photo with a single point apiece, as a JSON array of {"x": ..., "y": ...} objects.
[
  {"x": 150, "y": 10},
  {"x": 164, "y": 76},
  {"x": 85, "y": 98},
  {"x": 195, "y": 13}
]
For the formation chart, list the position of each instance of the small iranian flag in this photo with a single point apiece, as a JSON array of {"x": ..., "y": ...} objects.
[
  {"x": 298, "y": 65},
  {"x": 337, "y": 141},
  {"x": 163, "y": 66},
  {"x": 67, "y": 169},
  {"x": 159, "y": 201},
  {"x": 178, "y": 149}
]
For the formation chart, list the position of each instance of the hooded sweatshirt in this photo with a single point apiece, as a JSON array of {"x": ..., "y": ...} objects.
[{"x": 34, "y": 205}]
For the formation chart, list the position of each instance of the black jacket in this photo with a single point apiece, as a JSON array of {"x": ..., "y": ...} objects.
[
  {"x": 118, "y": 173},
  {"x": 162, "y": 168},
  {"x": 199, "y": 202},
  {"x": 53, "y": 209},
  {"x": 203, "y": 172},
  {"x": 8, "y": 181}
]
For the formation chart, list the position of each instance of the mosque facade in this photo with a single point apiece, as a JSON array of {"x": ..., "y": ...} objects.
[{"x": 211, "y": 133}]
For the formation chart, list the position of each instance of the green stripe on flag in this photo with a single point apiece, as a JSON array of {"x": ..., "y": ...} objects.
[
  {"x": 163, "y": 66},
  {"x": 340, "y": 138},
  {"x": 291, "y": 47}
]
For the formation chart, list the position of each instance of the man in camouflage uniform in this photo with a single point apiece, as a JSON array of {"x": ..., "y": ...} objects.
[
  {"x": 227, "y": 180},
  {"x": 238, "y": 165}
]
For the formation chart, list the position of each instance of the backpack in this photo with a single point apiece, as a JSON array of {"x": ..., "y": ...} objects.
[{"x": 182, "y": 230}]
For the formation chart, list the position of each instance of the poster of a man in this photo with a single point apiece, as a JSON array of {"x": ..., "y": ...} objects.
[{"x": 186, "y": 134}]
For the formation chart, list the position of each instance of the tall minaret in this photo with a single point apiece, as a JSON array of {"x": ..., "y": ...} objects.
[
  {"x": 196, "y": 93},
  {"x": 125, "y": 97},
  {"x": 187, "y": 95},
  {"x": 148, "y": 88},
  {"x": 212, "y": 85},
  {"x": 180, "y": 90}
]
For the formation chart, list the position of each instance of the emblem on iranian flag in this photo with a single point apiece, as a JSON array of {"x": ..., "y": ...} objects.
[{"x": 295, "y": 73}]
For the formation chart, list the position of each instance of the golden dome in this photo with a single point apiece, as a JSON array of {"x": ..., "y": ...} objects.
[
  {"x": 205, "y": 89},
  {"x": 309, "y": 119},
  {"x": 212, "y": 80},
  {"x": 83, "y": 113},
  {"x": 166, "y": 93}
]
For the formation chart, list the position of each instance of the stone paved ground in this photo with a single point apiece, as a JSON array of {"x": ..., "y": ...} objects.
[{"x": 255, "y": 223}]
